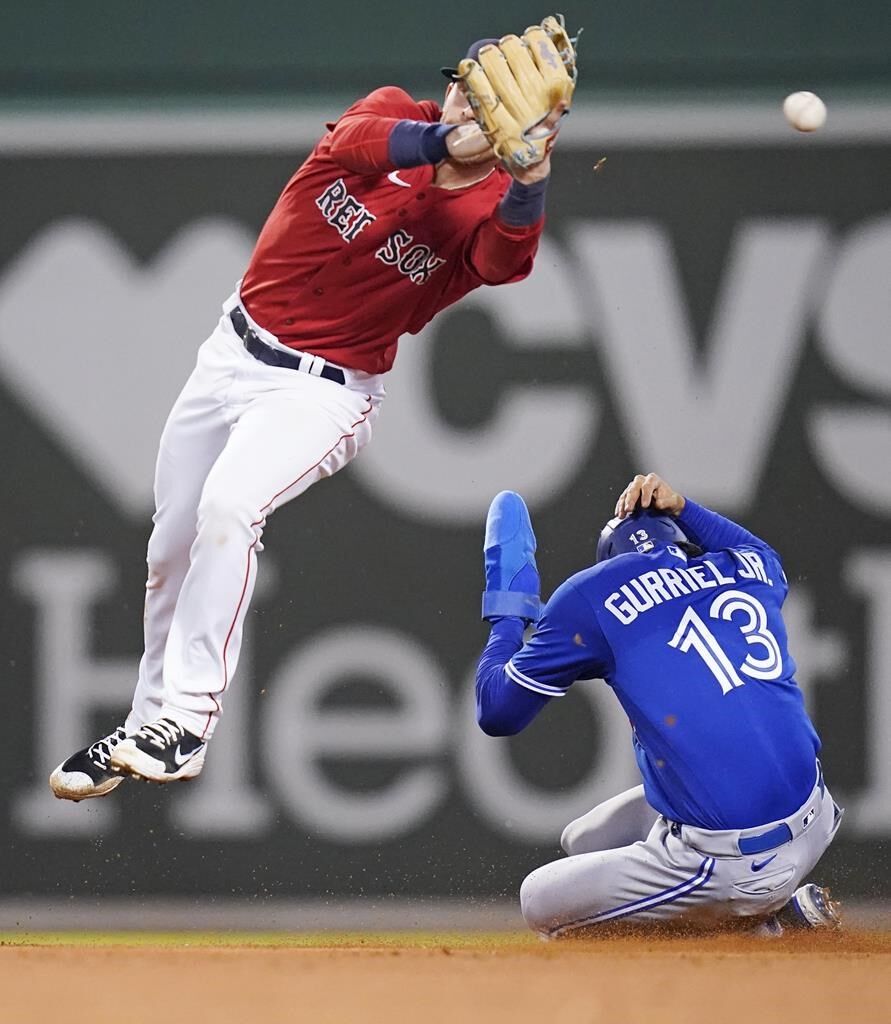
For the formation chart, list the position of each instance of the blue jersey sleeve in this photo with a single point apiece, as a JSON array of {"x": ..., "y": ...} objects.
[
  {"x": 514, "y": 682},
  {"x": 713, "y": 531},
  {"x": 502, "y": 708}
]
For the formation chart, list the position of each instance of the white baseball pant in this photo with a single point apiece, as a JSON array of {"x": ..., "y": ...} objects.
[
  {"x": 242, "y": 439},
  {"x": 626, "y": 862}
]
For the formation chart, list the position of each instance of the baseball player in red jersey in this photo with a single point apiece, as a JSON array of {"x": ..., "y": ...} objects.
[{"x": 399, "y": 211}]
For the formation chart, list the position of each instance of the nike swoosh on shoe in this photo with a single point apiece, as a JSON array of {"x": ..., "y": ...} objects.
[{"x": 182, "y": 758}]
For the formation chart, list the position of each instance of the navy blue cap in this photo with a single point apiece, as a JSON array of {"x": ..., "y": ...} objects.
[{"x": 472, "y": 54}]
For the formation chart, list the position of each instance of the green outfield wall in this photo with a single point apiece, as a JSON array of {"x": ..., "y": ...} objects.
[
  {"x": 713, "y": 305},
  {"x": 226, "y": 49}
]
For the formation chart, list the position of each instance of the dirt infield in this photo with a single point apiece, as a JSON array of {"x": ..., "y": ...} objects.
[{"x": 433, "y": 980}]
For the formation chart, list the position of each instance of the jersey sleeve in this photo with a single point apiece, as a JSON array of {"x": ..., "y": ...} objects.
[
  {"x": 502, "y": 708},
  {"x": 500, "y": 252},
  {"x": 515, "y": 681},
  {"x": 568, "y": 644},
  {"x": 360, "y": 141},
  {"x": 713, "y": 531}
]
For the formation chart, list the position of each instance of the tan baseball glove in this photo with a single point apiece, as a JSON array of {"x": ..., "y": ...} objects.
[{"x": 513, "y": 87}]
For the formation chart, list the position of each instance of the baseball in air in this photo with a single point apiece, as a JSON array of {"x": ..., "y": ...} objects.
[{"x": 805, "y": 111}]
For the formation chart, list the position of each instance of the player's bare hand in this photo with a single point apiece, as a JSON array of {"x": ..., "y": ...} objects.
[
  {"x": 468, "y": 145},
  {"x": 649, "y": 491},
  {"x": 550, "y": 126}
]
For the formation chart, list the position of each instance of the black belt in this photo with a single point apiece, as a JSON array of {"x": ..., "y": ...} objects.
[{"x": 275, "y": 356}]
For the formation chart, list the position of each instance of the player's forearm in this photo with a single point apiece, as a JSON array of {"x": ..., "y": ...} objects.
[
  {"x": 413, "y": 143},
  {"x": 523, "y": 205},
  {"x": 502, "y": 707},
  {"x": 369, "y": 144},
  {"x": 502, "y": 249},
  {"x": 361, "y": 143},
  {"x": 711, "y": 530}
]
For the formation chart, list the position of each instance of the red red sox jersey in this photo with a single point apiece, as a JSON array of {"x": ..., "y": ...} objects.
[{"x": 357, "y": 252}]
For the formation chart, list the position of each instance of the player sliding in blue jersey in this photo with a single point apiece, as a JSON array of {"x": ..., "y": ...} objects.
[{"x": 681, "y": 618}]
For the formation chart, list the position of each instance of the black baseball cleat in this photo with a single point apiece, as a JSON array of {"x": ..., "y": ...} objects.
[
  {"x": 88, "y": 773},
  {"x": 162, "y": 751},
  {"x": 810, "y": 907}
]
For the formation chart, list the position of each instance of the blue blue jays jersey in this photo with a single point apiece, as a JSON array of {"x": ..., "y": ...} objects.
[{"x": 695, "y": 650}]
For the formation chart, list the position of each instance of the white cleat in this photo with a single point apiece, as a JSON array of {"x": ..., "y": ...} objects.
[
  {"x": 162, "y": 751},
  {"x": 88, "y": 773},
  {"x": 811, "y": 907}
]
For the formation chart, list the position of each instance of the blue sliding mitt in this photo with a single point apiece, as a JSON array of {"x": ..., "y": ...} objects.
[{"x": 512, "y": 580}]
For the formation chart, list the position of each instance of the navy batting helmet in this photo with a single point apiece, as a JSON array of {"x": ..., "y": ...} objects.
[{"x": 644, "y": 530}]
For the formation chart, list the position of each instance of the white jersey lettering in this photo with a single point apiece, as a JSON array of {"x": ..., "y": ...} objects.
[
  {"x": 720, "y": 578},
  {"x": 673, "y": 581},
  {"x": 417, "y": 262},
  {"x": 342, "y": 211},
  {"x": 622, "y": 610},
  {"x": 656, "y": 587}
]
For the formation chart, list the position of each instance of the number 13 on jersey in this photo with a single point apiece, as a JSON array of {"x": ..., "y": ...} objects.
[{"x": 694, "y": 634}]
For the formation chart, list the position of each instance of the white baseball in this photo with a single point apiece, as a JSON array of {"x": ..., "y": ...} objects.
[{"x": 805, "y": 111}]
